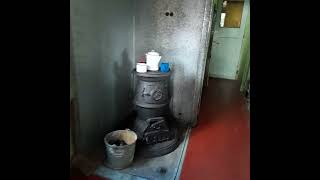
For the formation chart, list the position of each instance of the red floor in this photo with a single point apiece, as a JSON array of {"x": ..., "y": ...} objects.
[{"x": 219, "y": 147}]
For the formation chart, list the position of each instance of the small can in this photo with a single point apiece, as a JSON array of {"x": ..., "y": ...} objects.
[
  {"x": 164, "y": 67},
  {"x": 141, "y": 67}
]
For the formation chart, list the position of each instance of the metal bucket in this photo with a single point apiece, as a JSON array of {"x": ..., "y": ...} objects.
[{"x": 120, "y": 157}]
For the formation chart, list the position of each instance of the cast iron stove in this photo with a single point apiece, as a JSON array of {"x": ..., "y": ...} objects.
[{"x": 154, "y": 124}]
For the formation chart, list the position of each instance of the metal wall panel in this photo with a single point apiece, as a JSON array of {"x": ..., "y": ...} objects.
[
  {"x": 182, "y": 40},
  {"x": 102, "y": 47}
]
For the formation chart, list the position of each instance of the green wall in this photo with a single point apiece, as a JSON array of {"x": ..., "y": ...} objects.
[{"x": 245, "y": 55}]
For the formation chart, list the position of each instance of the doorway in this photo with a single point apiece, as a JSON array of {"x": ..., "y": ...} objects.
[{"x": 228, "y": 35}]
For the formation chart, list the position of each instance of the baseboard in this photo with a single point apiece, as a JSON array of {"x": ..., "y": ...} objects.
[
  {"x": 183, "y": 155},
  {"x": 221, "y": 76}
]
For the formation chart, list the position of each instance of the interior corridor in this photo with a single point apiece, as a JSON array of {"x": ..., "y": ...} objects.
[{"x": 219, "y": 147}]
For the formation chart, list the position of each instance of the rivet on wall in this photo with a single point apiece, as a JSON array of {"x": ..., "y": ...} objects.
[{"x": 167, "y": 13}]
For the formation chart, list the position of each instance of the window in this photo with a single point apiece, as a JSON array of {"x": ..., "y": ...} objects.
[{"x": 231, "y": 13}]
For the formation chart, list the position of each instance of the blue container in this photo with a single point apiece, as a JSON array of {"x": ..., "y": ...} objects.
[{"x": 164, "y": 67}]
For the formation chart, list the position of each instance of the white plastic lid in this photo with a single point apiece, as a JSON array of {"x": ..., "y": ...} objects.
[{"x": 153, "y": 53}]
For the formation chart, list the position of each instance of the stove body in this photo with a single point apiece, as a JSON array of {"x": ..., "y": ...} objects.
[{"x": 154, "y": 124}]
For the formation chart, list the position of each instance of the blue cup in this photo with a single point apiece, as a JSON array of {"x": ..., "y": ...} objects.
[{"x": 164, "y": 67}]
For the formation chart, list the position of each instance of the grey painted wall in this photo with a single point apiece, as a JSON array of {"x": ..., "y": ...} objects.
[
  {"x": 182, "y": 40},
  {"x": 102, "y": 51}
]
